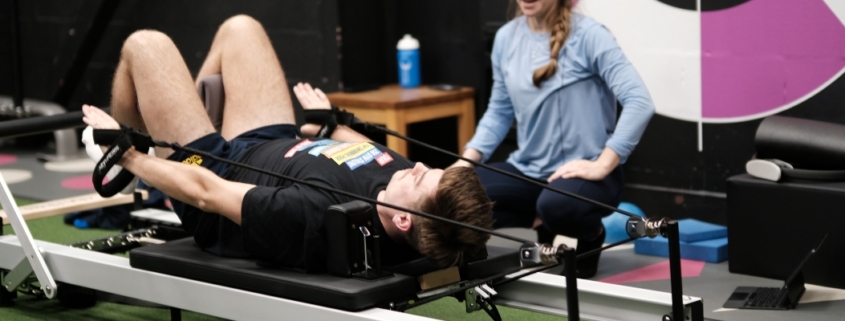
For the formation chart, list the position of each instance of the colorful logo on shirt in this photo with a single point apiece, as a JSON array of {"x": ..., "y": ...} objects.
[
  {"x": 195, "y": 160},
  {"x": 298, "y": 147},
  {"x": 384, "y": 158},
  {"x": 354, "y": 155}
]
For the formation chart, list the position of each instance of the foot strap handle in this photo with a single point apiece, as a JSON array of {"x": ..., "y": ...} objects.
[
  {"x": 120, "y": 140},
  {"x": 330, "y": 118}
]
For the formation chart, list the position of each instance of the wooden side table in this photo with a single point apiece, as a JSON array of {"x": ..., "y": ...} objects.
[{"x": 396, "y": 107}]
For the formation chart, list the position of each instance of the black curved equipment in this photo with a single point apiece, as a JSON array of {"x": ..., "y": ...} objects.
[{"x": 800, "y": 149}]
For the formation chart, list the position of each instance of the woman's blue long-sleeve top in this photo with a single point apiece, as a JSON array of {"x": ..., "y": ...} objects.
[{"x": 573, "y": 114}]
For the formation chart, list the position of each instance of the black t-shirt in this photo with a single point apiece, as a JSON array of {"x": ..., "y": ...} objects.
[{"x": 282, "y": 221}]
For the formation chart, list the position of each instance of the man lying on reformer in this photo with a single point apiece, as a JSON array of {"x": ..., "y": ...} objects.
[{"x": 265, "y": 217}]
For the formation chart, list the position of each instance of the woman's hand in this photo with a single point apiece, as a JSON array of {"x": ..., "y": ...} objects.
[
  {"x": 311, "y": 98},
  {"x": 582, "y": 168},
  {"x": 469, "y": 153},
  {"x": 589, "y": 170}
]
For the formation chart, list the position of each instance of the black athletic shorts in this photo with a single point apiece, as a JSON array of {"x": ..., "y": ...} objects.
[{"x": 218, "y": 146}]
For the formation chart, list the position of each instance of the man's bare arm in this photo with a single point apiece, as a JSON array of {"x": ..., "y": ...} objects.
[
  {"x": 345, "y": 134},
  {"x": 194, "y": 185},
  {"x": 342, "y": 133}
]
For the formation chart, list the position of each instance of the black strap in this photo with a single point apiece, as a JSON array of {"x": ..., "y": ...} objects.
[
  {"x": 317, "y": 116},
  {"x": 330, "y": 118},
  {"x": 120, "y": 140},
  {"x": 329, "y": 125},
  {"x": 490, "y": 308}
]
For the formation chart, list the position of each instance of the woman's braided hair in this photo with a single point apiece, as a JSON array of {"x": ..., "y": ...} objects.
[{"x": 557, "y": 20}]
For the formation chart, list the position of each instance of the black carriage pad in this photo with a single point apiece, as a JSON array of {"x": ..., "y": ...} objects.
[
  {"x": 183, "y": 258},
  {"x": 495, "y": 260}
]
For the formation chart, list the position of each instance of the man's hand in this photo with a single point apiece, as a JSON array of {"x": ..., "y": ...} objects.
[
  {"x": 97, "y": 118},
  {"x": 311, "y": 98},
  {"x": 589, "y": 170},
  {"x": 310, "y": 129}
]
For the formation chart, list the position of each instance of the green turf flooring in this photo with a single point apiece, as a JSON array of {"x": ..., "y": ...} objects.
[{"x": 52, "y": 229}]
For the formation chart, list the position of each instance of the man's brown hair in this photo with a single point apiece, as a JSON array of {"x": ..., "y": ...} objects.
[{"x": 460, "y": 197}]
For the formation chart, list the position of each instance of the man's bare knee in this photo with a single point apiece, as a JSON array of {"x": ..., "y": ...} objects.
[
  {"x": 143, "y": 41},
  {"x": 241, "y": 24}
]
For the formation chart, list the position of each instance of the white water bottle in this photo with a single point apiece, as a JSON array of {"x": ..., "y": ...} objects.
[{"x": 408, "y": 57}]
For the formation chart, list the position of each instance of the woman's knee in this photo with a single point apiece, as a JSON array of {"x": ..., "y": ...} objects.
[{"x": 561, "y": 210}]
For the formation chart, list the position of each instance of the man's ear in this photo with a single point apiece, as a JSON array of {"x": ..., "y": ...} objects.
[{"x": 403, "y": 222}]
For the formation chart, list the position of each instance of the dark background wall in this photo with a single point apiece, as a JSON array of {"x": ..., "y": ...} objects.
[
  {"x": 337, "y": 44},
  {"x": 304, "y": 34}
]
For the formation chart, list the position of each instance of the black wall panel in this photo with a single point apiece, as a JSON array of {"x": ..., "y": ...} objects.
[
  {"x": 303, "y": 34},
  {"x": 364, "y": 43}
]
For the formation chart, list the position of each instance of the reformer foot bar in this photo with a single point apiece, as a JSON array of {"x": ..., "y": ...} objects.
[{"x": 538, "y": 292}]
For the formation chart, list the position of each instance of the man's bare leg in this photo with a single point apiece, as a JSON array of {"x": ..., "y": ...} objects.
[
  {"x": 152, "y": 74},
  {"x": 256, "y": 90}
]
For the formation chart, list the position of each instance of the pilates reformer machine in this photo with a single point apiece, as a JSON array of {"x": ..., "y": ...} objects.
[{"x": 178, "y": 274}]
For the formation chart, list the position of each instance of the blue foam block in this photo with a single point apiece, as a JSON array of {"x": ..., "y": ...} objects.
[
  {"x": 714, "y": 251},
  {"x": 694, "y": 230}
]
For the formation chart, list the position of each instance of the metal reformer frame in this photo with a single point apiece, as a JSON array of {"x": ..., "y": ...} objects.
[
  {"x": 108, "y": 273},
  {"x": 55, "y": 264}
]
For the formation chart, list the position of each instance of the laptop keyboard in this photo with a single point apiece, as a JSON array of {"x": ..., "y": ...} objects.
[{"x": 763, "y": 297}]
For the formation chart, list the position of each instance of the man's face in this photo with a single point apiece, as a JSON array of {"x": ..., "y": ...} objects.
[{"x": 407, "y": 186}]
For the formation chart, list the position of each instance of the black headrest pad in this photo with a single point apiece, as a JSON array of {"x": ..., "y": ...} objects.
[
  {"x": 498, "y": 260},
  {"x": 804, "y": 143}
]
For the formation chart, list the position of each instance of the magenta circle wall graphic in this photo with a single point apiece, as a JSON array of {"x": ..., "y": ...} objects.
[
  {"x": 765, "y": 56},
  {"x": 730, "y": 60}
]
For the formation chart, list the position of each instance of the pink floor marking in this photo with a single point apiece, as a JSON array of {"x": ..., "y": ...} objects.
[
  {"x": 655, "y": 272},
  {"x": 83, "y": 182},
  {"x": 6, "y": 159}
]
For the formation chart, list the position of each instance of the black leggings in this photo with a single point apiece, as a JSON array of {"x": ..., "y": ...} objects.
[{"x": 517, "y": 203}]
